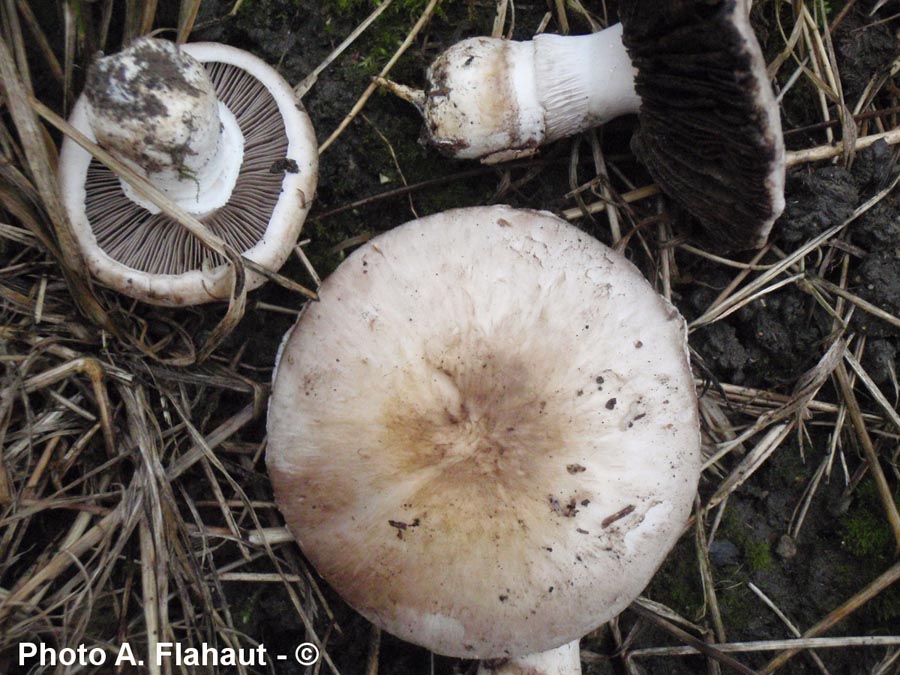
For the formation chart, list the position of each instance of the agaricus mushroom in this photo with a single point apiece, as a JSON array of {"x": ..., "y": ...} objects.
[
  {"x": 219, "y": 133},
  {"x": 485, "y": 434},
  {"x": 710, "y": 131}
]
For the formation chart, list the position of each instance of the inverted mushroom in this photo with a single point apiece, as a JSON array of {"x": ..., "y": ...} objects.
[
  {"x": 219, "y": 133},
  {"x": 485, "y": 434},
  {"x": 710, "y": 131}
]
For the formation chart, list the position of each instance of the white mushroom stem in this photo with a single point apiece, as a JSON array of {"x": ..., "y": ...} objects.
[
  {"x": 155, "y": 108},
  {"x": 584, "y": 80},
  {"x": 498, "y": 99},
  {"x": 564, "y": 660}
]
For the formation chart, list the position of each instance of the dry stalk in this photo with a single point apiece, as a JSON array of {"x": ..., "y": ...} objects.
[
  {"x": 367, "y": 94},
  {"x": 787, "y": 622},
  {"x": 41, "y": 166},
  {"x": 837, "y": 615},
  {"x": 865, "y": 440},
  {"x": 687, "y": 638},
  {"x": 775, "y": 645},
  {"x": 301, "y": 89},
  {"x": 706, "y": 575}
]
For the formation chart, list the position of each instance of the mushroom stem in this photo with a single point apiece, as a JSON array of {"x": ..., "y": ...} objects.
[
  {"x": 154, "y": 107},
  {"x": 564, "y": 660},
  {"x": 584, "y": 80},
  {"x": 495, "y": 99}
]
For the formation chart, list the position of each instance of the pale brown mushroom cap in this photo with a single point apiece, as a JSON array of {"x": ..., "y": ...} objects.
[{"x": 485, "y": 434}]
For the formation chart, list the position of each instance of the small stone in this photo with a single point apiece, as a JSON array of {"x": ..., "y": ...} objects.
[
  {"x": 786, "y": 548},
  {"x": 723, "y": 552}
]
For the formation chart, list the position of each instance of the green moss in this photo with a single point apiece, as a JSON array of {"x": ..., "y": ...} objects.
[
  {"x": 865, "y": 532},
  {"x": 379, "y": 42},
  {"x": 757, "y": 550},
  {"x": 348, "y": 7},
  {"x": 738, "y": 605},
  {"x": 866, "y": 535},
  {"x": 677, "y": 583},
  {"x": 833, "y": 7},
  {"x": 757, "y": 554}
]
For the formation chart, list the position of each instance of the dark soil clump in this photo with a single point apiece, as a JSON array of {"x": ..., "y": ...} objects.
[{"x": 817, "y": 200}]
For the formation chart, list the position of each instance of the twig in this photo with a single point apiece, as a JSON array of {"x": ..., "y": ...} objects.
[{"x": 822, "y": 152}]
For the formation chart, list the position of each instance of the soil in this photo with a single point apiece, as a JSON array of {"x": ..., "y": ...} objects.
[{"x": 767, "y": 344}]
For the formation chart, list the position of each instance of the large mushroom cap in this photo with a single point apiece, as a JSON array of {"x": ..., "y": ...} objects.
[
  {"x": 136, "y": 250},
  {"x": 485, "y": 435},
  {"x": 710, "y": 130}
]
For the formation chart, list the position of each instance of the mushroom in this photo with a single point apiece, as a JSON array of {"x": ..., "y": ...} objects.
[
  {"x": 710, "y": 132},
  {"x": 219, "y": 133},
  {"x": 484, "y": 435}
]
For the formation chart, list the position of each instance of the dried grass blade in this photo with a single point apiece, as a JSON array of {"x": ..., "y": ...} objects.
[
  {"x": 13, "y": 203},
  {"x": 787, "y": 622},
  {"x": 187, "y": 16},
  {"x": 687, "y": 638},
  {"x": 44, "y": 177},
  {"x": 889, "y": 410},
  {"x": 864, "y": 305},
  {"x": 754, "y": 459},
  {"x": 214, "y": 461},
  {"x": 138, "y": 18},
  {"x": 360, "y": 104},
  {"x": 237, "y": 305},
  {"x": 69, "y": 48},
  {"x": 597, "y": 207},
  {"x": 6, "y": 491},
  {"x": 14, "y": 34},
  {"x": 62, "y": 560},
  {"x": 862, "y": 433},
  {"x": 41, "y": 39},
  {"x": 797, "y": 644},
  {"x": 805, "y": 390},
  {"x": 706, "y": 573},
  {"x": 270, "y": 536},
  {"x": 836, "y": 616},
  {"x": 823, "y": 152},
  {"x": 150, "y": 598},
  {"x": 718, "y": 311},
  {"x": 279, "y": 279},
  {"x": 158, "y": 535},
  {"x": 212, "y": 441},
  {"x": 307, "y": 83}
]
